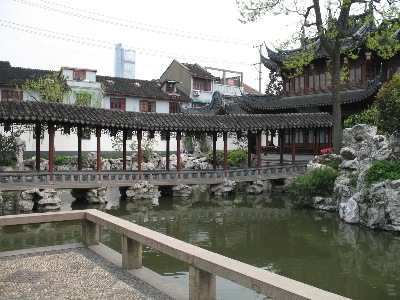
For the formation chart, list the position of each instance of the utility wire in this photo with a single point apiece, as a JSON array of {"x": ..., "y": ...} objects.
[
  {"x": 135, "y": 25},
  {"x": 104, "y": 44}
]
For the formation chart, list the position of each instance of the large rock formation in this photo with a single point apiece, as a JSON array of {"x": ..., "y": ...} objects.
[
  {"x": 378, "y": 206},
  {"x": 42, "y": 200}
]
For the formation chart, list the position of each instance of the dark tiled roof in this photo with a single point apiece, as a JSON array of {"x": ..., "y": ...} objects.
[
  {"x": 269, "y": 102},
  {"x": 136, "y": 87},
  {"x": 114, "y": 85},
  {"x": 15, "y": 75},
  {"x": 197, "y": 70},
  {"x": 73, "y": 115}
]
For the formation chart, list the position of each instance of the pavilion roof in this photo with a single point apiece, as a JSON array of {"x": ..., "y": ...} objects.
[
  {"x": 270, "y": 102},
  {"x": 29, "y": 112}
]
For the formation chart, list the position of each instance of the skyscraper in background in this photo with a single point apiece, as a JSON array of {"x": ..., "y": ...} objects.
[{"x": 125, "y": 62}]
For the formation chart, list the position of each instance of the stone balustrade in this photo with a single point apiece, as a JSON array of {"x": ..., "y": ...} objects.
[
  {"x": 204, "y": 265},
  {"x": 73, "y": 179}
]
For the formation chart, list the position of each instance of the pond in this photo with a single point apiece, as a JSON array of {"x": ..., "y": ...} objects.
[{"x": 313, "y": 247}]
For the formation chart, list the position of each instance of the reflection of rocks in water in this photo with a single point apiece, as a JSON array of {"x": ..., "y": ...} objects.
[
  {"x": 375, "y": 253},
  {"x": 8, "y": 203}
]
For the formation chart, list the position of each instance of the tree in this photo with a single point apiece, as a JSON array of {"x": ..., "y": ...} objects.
[
  {"x": 49, "y": 88},
  {"x": 328, "y": 21},
  {"x": 388, "y": 105}
]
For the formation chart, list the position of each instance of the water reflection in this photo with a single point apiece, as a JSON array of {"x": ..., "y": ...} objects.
[{"x": 310, "y": 246}]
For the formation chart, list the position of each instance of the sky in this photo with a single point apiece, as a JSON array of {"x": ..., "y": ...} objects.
[{"x": 50, "y": 34}]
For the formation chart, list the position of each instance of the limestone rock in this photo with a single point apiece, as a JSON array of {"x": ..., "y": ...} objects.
[
  {"x": 324, "y": 203},
  {"x": 349, "y": 211},
  {"x": 256, "y": 187},
  {"x": 142, "y": 190},
  {"x": 348, "y": 153},
  {"x": 224, "y": 188}
]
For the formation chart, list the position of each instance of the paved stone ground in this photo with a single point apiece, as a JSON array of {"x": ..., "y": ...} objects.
[{"x": 77, "y": 273}]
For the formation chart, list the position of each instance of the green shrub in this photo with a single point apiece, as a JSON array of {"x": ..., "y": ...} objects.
[
  {"x": 235, "y": 158},
  {"x": 381, "y": 171},
  {"x": 334, "y": 163},
  {"x": 318, "y": 182},
  {"x": 388, "y": 105},
  {"x": 61, "y": 160},
  {"x": 369, "y": 116},
  {"x": 8, "y": 145}
]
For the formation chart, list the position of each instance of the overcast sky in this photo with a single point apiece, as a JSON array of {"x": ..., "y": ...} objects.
[{"x": 50, "y": 34}]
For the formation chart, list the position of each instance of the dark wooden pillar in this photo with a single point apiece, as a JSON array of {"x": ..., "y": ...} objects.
[
  {"x": 178, "y": 153},
  {"x": 259, "y": 151},
  {"x": 249, "y": 143},
  {"x": 315, "y": 142},
  {"x": 38, "y": 132},
  {"x": 51, "y": 151},
  {"x": 281, "y": 140},
  {"x": 225, "y": 137},
  {"x": 293, "y": 146},
  {"x": 79, "y": 148},
  {"x": 330, "y": 137},
  {"x": 139, "y": 152},
  {"x": 318, "y": 141},
  {"x": 124, "y": 138},
  {"x": 266, "y": 138},
  {"x": 214, "y": 150},
  {"x": 98, "y": 136},
  {"x": 167, "y": 152}
]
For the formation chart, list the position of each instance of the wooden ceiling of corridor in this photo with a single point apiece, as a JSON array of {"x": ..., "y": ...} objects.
[{"x": 29, "y": 112}]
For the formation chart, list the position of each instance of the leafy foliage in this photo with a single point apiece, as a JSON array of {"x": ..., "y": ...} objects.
[
  {"x": 61, "y": 160},
  {"x": 49, "y": 88},
  {"x": 8, "y": 144},
  {"x": 317, "y": 28},
  {"x": 381, "y": 171},
  {"x": 369, "y": 116},
  {"x": 318, "y": 182},
  {"x": 275, "y": 84},
  {"x": 388, "y": 105},
  {"x": 235, "y": 158}
]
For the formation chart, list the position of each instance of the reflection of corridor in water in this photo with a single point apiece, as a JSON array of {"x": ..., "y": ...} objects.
[{"x": 310, "y": 246}]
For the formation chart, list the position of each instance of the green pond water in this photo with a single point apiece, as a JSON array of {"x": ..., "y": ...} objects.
[{"x": 310, "y": 246}]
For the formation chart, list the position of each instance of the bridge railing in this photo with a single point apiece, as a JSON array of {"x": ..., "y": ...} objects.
[
  {"x": 69, "y": 178},
  {"x": 204, "y": 265}
]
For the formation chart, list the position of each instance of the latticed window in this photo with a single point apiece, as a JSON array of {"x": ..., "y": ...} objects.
[
  {"x": 201, "y": 84},
  {"x": 147, "y": 106},
  {"x": 173, "y": 107},
  {"x": 118, "y": 103},
  {"x": 79, "y": 74},
  {"x": 11, "y": 95}
]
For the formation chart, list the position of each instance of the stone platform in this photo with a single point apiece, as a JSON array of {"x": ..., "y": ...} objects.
[{"x": 78, "y": 272}]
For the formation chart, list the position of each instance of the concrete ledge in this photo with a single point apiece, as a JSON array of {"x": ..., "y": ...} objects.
[
  {"x": 42, "y": 217},
  {"x": 161, "y": 283}
]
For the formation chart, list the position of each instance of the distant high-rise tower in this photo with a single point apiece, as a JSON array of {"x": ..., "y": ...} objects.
[{"x": 125, "y": 62}]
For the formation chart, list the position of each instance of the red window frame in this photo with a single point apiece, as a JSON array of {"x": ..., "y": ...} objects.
[
  {"x": 79, "y": 74},
  {"x": 11, "y": 95},
  {"x": 174, "y": 108},
  {"x": 147, "y": 106},
  {"x": 202, "y": 84},
  {"x": 118, "y": 103}
]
